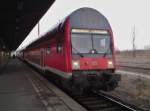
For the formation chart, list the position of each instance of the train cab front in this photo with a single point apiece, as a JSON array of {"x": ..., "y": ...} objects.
[{"x": 93, "y": 60}]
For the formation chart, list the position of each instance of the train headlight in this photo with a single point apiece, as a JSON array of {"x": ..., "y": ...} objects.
[
  {"x": 110, "y": 64},
  {"x": 75, "y": 65}
]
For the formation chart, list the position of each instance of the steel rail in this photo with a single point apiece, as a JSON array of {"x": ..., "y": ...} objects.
[
  {"x": 118, "y": 101},
  {"x": 134, "y": 67}
]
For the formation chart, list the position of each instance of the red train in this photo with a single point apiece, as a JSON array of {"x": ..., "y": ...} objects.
[{"x": 79, "y": 52}]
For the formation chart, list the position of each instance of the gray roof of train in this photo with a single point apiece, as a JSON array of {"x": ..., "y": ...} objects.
[{"x": 88, "y": 18}]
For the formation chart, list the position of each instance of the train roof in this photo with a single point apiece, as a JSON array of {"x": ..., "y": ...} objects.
[
  {"x": 88, "y": 18},
  {"x": 80, "y": 18}
]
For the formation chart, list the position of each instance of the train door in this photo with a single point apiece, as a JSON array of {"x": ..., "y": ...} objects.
[{"x": 42, "y": 57}]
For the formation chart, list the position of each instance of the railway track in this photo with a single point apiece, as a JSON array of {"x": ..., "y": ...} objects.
[
  {"x": 134, "y": 67},
  {"x": 99, "y": 101},
  {"x": 137, "y": 69}
]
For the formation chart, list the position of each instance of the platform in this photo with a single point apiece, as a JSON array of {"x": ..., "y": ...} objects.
[
  {"x": 16, "y": 91},
  {"x": 20, "y": 90}
]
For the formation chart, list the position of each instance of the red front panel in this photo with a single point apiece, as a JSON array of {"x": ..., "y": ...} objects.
[{"x": 93, "y": 63}]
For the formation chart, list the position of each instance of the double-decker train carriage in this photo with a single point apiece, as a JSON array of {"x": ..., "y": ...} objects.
[{"x": 79, "y": 51}]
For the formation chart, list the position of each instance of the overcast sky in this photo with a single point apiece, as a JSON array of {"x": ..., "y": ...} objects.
[{"x": 123, "y": 15}]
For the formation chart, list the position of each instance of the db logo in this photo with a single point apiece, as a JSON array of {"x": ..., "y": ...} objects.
[{"x": 94, "y": 63}]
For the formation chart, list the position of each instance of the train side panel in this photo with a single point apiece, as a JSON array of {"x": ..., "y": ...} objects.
[{"x": 57, "y": 53}]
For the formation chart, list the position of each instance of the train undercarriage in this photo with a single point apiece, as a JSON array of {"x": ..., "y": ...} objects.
[{"x": 84, "y": 81}]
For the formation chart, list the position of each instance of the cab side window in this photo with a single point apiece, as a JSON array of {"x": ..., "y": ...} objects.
[{"x": 59, "y": 47}]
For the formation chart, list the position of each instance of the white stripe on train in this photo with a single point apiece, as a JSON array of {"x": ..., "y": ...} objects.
[{"x": 55, "y": 71}]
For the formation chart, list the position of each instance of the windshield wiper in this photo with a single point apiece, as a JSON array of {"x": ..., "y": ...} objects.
[
  {"x": 107, "y": 50},
  {"x": 80, "y": 54}
]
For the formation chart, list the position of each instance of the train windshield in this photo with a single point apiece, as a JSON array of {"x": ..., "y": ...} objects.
[{"x": 90, "y": 43}]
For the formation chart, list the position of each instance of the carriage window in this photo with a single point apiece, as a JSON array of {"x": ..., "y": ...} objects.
[
  {"x": 59, "y": 47},
  {"x": 48, "y": 50}
]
